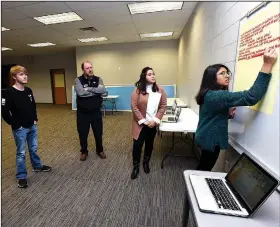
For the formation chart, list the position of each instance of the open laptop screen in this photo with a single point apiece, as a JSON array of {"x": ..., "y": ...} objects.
[
  {"x": 177, "y": 114},
  {"x": 251, "y": 181},
  {"x": 174, "y": 106}
]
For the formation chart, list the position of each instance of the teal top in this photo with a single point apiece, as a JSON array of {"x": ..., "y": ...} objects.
[{"x": 212, "y": 127}]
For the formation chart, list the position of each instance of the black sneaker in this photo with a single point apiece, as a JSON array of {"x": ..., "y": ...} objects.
[
  {"x": 43, "y": 169},
  {"x": 22, "y": 183}
]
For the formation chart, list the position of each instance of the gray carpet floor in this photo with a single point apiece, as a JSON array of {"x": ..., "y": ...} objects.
[{"x": 95, "y": 192}]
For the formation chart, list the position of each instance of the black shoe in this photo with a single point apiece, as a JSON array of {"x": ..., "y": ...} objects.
[
  {"x": 135, "y": 172},
  {"x": 43, "y": 169},
  {"x": 22, "y": 183},
  {"x": 146, "y": 167}
]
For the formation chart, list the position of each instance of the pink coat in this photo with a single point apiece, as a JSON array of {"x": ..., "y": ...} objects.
[{"x": 139, "y": 108}]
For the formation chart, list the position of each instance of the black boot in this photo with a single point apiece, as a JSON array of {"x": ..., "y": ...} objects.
[
  {"x": 146, "y": 164},
  {"x": 146, "y": 167},
  {"x": 135, "y": 172}
]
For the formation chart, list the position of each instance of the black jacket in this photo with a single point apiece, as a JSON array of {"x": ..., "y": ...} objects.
[{"x": 89, "y": 93}]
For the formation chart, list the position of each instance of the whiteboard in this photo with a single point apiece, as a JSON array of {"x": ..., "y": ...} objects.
[{"x": 259, "y": 131}]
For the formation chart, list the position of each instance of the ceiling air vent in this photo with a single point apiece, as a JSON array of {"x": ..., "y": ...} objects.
[{"x": 92, "y": 29}]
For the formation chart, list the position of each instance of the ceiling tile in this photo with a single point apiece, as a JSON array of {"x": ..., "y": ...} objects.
[
  {"x": 12, "y": 4},
  {"x": 93, "y": 5},
  {"x": 76, "y": 33},
  {"x": 24, "y": 23},
  {"x": 109, "y": 12},
  {"x": 111, "y": 20},
  {"x": 160, "y": 16},
  {"x": 85, "y": 35},
  {"x": 43, "y": 9},
  {"x": 125, "y": 29},
  {"x": 10, "y": 14},
  {"x": 41, "y": 35},
  {"x": 189, "y": 5},
  {"x": 3, "y": 6},
  {"x": 158, "y": 38},
  {"x": 170, "y": 25},
  {"x": 71, "y": 25},
  {"x": 125, "y": 37}
]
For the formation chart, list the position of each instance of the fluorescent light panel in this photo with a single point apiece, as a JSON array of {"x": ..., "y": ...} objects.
[
  {"x": 41, "y": 44},
  {"x": 150, "y": 7},
  {"x": 59, "y": 18},
  {"x": 156, "y": 34},
  {"x": 97, "y": 39},
  {"x": 6, "y": 48},
  {"x": 5, "y": 29}
]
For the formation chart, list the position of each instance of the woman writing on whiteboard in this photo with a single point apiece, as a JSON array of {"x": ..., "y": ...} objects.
[
  {"x": 215, "y": 103},
  {"x": 148, "y": 104}
]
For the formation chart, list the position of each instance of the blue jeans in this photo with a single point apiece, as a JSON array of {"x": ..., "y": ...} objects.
[{"x": 29, "y": 135}]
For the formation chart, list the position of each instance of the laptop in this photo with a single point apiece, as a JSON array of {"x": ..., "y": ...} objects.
[
  {"x": 172, "y": 118},
  {"x": 172, "y": 109},
  {"x": 241, "y": 193}
]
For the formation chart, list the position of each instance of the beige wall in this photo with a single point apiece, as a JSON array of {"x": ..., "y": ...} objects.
[
  {"x": 39, "y": 66},
  {"x": 122, "y": 63},
  {"x": 115, "y": 63}
]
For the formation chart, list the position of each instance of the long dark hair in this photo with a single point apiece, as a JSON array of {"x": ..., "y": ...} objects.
[
  {"x": 209, "y": 82},
  {"x": 142, "y": 82}
]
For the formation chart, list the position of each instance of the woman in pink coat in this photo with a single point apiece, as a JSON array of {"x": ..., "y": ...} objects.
[{"x": 148, "y": 104}]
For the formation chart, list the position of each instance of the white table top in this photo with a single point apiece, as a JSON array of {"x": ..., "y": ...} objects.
[
  {"x": 180, "y": 103},
  {"x": 111, "y": 97},
  {"x": 187, "y": 122},
  {"x": 267, "y": 216}
]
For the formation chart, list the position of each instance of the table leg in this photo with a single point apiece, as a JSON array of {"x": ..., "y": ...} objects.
[
  {"x": 104, "y": 110},
  {"x": 172, "y": 148},
  {"x": 193, "y": 141},
  {"x": 186, "y": 211},
  {"x": 115, "y": 105}
]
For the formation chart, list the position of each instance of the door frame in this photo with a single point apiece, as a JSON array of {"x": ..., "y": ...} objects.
[{"x": 52, "y": 83}]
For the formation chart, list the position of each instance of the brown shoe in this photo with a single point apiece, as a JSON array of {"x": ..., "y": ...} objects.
[
  {"x": 102, "y": 155},
  {"x": 83, "y": 156}
]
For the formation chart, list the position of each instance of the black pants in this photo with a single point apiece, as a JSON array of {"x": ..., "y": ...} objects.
[
  {"x": 147, "y": 135},
  {"x": 208, "y": 159},
  {"x": 84, "y": 121}
]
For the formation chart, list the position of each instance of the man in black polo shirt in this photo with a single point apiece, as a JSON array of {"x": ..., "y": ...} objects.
[
  {"x": 90, "y": 90},
  {"x": 19, "y": 111}
]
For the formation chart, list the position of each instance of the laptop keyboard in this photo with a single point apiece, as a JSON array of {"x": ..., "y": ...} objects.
[{"x": 221, "y": 194}]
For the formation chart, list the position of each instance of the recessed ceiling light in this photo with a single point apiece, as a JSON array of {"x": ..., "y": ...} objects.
[
  {"x": 41, "y": 44},
  {"x": 150, "y": 7},
  {"x": 6, "y": 48},
  {"x": 156, "y": 34},
  {"x": 5, "y": 29},
  {"x": 97, "y": 39},
  {"x": 59, "y": 18}
]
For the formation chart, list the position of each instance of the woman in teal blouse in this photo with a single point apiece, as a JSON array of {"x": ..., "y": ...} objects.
[{"x": 215, "y": 103}]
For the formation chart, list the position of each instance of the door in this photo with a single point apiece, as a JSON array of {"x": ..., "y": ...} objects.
[{"x": 58, "y": 86}]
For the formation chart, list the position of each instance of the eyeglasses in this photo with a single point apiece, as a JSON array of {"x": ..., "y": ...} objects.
[{"x": 225, "y": 74}]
